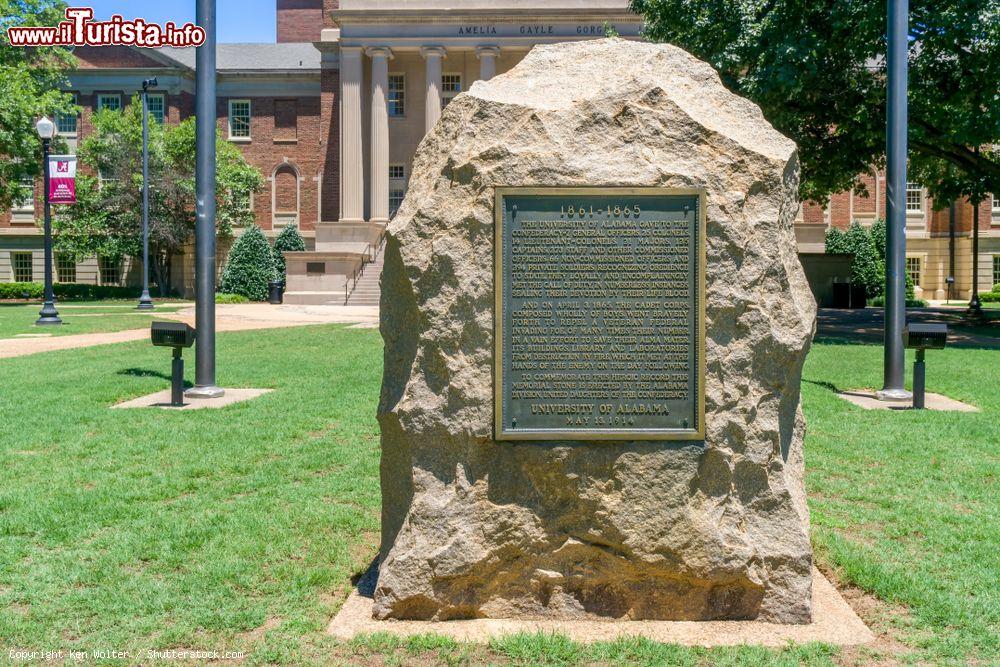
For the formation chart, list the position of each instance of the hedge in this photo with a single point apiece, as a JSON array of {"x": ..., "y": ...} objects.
[
  {"x": 289, "y": 240},
  {"x": 67, "y": 291},
  {"x": 250, "y": 266}
]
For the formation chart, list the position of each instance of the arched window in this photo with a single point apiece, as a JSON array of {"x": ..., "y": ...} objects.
[{"x": 285, "y": 194}]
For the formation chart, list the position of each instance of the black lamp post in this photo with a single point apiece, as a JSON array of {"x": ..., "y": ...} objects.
[
  {"x": 48, "y": 315},
  {"x": 145, "y": 301}
]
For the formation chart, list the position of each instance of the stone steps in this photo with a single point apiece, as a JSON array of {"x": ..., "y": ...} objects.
[{"x": 368, "y": 291}]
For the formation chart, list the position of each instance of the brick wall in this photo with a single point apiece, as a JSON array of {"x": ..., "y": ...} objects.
[
  {"x": 289, "y": 154},
  {"x": 299, "y": 20}
]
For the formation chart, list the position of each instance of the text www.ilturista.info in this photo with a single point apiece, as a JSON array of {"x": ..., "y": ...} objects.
[{"x": 79, "y": 29}]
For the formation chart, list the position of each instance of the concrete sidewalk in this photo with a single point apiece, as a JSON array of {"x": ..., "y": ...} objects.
[{"x": 228, "y": 317}]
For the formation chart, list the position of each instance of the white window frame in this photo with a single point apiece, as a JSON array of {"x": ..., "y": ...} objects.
[
  {"x": 249, "y": 118},
  {"x": 920, "y": 268},
  {"x": 15, "y": 255},
  {"x": 996, "y": 271},
  {"x": 101, "y": 101},
  {"x": 63, "y": 263},
  {"x": 996, "y": 203},
  {"x": 397, "y": 172},
  {"x": 163, "y": 107},
  {"x": 101, "y": 274},
  {"x": 26, "y": 204},
  {"x": 397, "y": 187},
  {"x": 914, "y": 187},
  {"x": 396, "y": 97},
  {"x": 74, "y": 116},
  {"x": 448, "y": 95}
]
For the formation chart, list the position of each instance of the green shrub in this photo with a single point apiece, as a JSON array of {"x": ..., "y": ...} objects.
[
  {"x": 289, "y": 240},
  {"x": 223, "y": 297},
  {"x": 996, "y": 288},
  {"x": 250, "y": 266},
  {"x": 868, "y": 247},
  {"x": 879, "y": 302},
  {"x": 67, "y": 291},
  {"x": 990, "y": 297}
]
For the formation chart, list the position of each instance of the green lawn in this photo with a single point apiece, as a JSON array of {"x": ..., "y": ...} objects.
[
  {"x": 80, "y": 317},
  {"x": 240, "y": 529}
]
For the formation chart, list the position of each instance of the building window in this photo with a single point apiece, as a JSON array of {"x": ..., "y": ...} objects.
[
  {"x": 65, "y": 268},
  {"x": 395, "y": 200},
  {"x": 157, "y": 107},
  {"x": 914, "y": 197},
  {"x": 111, "y": 102},
  {"x": 66, "y": 122},
  {"x": 104, "y": 178},
  {"x": 285, "y": 120},
  {"x": 996, "y": 269},
  {"x": 239, "y": 119},
  {"x": 24, "y": 199},
  {"x": 20, "y": 264},
  {"x": 397, "y": 95},
  {"x": 397, "y": 171},
  {"x": 913, "y": 270},
  {"x": 451, "y": 85},
  {"x": 110, "y": 270},
  {"x": 996, "y": 203}
]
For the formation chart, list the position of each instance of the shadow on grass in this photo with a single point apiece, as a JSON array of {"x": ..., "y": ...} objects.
[
  {"x": 825, "y": 385},
  {"x": 146, "y": 373}
]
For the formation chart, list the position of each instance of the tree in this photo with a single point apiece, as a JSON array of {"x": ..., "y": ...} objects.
[
  {"x": 250, "y": 266},
  {"x": 32, "y": 79},
  {"x": 289, "y": 240},
  {"x": 818, "y": 72},
  {"x": 867, "y": 244},
  {"x": 107, "y": 218}
]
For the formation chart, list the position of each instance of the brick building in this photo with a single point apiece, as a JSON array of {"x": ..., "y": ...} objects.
[{"x": 332, "y": 114}]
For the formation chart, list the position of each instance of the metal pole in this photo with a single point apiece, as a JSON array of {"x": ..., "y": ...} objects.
[
  {"x": 975, "y": 311},
  {"x": 893, "y": 388},
  {"x": 145, "y": 301},
  {"x": 951, "y": 250},
  {"x": 204, "y": 383},
  {"x": 177, "y": 379},
  {"x": 48, "y": 315},
  {"x": 919, "y": 383}
]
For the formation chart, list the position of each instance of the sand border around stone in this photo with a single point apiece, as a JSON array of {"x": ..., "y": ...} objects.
[
  {"x": 867, "y": 399},
  {"x": 161, "y": 399},
  {"x": 834, "y": 622}
]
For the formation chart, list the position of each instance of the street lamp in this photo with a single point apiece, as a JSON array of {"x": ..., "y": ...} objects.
[
  {"x": 145, "y": 301},
  {"x": 48, "y": 315}
]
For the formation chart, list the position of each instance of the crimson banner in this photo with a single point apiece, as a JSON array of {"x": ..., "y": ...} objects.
[{"x": 62, "y": 179}]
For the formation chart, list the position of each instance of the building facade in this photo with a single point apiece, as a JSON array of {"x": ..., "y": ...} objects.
[{"x": 333, "y": 112}]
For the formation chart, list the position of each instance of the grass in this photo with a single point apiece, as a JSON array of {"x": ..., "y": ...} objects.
[
  {"x": 80, "y": 317},
  {"x": 240, "y": 529}
]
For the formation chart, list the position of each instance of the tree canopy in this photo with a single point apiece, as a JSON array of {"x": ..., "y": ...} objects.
[
  {"x": 818, "y": 72},
  {"x": 31, "y": 81},
  {"x": 107, "y": 218}
]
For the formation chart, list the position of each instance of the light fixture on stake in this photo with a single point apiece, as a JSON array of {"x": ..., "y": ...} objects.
[
  {"x": 145, "y": 301},
  {"x": 48, "y": 315}
]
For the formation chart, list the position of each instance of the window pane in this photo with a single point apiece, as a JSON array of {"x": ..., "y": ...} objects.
[
  {"x": 20, "y": 263},
  {"x": 239, "y": 118},
  {"x": 25, "y": 198},
  {"x": 112, "y": 102},
  {"x": 65, "y": 269},
  {"x": 157, "y": 108},
  {"x": 913, "y": 270},
  {"x": 110, "y": 270},
  {"x": 396, "y": 171},
  {"x": 395, "y": 200},
  {"x": 996, "y": 269},
  {"x": 996, "y": 202},
  {"x": 451, "y": 85},
  {"x": 914, "y": 197},
  {"x": 397, "y": 95}
]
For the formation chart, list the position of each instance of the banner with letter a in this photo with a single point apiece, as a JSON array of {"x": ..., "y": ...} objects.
[{"x": 62, "y": 179}]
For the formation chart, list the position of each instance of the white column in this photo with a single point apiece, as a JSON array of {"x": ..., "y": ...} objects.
[
  {"x": 352, "y": 184},
  {"x": 379, "y": 189},
  {"x": 487, "y": 61},
  {"x": 432, "y": 101}
]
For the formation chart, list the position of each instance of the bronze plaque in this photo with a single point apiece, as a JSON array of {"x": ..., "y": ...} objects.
[{"x": 600, "y": 314}]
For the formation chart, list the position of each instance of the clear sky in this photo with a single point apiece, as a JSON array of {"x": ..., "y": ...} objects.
[{"x": 238, "y": 20}]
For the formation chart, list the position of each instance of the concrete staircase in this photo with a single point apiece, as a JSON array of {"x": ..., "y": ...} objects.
[{"x": 368, "y": 290}]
